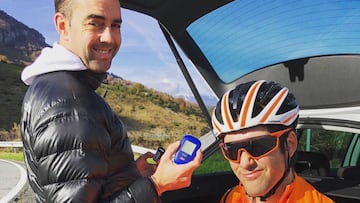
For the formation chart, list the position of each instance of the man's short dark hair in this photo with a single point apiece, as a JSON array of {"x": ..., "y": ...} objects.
[{"x": 64, "y": 7}]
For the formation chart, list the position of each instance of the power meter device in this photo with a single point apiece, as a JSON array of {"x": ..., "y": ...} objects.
[{"x": 187, "y": 150}]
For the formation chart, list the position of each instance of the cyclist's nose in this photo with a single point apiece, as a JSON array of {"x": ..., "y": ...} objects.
[{"x": 246, "y": 160}]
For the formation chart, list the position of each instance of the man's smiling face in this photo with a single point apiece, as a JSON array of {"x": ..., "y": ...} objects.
[{"x": 93, "y": 32}]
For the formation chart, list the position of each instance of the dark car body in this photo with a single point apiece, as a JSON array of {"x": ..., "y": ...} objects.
[{"x": 311, "y": 47}]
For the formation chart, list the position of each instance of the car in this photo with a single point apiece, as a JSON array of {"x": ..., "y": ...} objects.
[{"x": 311, "y": 47}]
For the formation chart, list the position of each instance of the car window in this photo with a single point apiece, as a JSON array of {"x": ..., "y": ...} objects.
[
  {"x": 336, "y": 145},
  {"x": 259, "y": 34}
]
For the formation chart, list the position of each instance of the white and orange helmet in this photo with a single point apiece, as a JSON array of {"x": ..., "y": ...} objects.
[{"x": 254, "y": 103}]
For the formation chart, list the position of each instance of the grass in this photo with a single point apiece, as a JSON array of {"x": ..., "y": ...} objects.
[
  {"x": 215, "y": 163},
  {"x": 17, "y": 156}
]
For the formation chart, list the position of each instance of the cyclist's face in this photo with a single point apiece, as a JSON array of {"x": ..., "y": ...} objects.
[{"x": 259, "y": 175}]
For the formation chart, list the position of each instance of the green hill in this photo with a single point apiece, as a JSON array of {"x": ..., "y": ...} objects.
[
  {"x": 152, "y": 118},
  {"x": 12, "y": 92}
]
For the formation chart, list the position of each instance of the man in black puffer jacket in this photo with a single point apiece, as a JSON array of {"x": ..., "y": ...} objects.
[{"x": 75, "y": 147}]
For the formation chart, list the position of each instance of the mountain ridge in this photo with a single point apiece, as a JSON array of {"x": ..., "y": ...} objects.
[{"x": 19, "y": 44}]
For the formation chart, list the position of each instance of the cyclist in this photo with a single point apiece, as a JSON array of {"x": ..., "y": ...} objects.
[{"x": 256, "y": 123}]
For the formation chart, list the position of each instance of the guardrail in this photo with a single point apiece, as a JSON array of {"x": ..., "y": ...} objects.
[
  {"x": 11, "y": 144},
  {"x": 15, "y": 145}
]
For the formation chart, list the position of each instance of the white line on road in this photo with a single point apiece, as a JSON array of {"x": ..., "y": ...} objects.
[{"x": 14, "y": 191}]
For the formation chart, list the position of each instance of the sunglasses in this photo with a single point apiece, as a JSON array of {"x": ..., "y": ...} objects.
[{"x": 257, "y": 147}]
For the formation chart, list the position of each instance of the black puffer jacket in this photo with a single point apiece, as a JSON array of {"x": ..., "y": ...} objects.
[{"x": 75, "y": 147}]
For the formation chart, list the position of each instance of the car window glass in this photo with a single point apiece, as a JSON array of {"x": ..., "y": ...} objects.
[
  {"x": 333, "y": 144},
  {"x": 260, "y": 34}
]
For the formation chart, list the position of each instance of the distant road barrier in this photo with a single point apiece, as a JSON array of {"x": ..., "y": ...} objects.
[
  {"x": 11, "y": 144},
  {"x": 15, "y": 145}
]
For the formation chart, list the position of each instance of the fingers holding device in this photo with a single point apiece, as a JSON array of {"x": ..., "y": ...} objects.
[{"x": 177, "y": 164}]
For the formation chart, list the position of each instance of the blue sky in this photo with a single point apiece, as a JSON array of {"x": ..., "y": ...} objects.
[{"x": 143, "y": 48}]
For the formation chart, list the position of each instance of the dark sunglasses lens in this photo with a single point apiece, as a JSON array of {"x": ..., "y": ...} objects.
[
  {"x": 256, "y": 147},
  {"x": 231, "y": 149},
  {"x": 262, "y": 146}
]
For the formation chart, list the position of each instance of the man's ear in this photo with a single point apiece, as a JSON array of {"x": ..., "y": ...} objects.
[
  {"x": 60, "y": 22},
  {"x": 292, "y": 143}
]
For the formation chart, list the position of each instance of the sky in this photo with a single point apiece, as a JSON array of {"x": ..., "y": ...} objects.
[{"x": 143, "y": 50}]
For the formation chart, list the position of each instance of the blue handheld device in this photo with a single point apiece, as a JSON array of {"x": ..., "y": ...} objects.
[{"x": 187, "y": 150}]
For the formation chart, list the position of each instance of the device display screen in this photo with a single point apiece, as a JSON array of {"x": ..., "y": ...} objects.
[{"x": 188, "y": 147}]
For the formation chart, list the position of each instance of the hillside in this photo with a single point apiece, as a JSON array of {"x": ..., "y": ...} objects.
[
  {"x": 12, "y": 92},
  {"x": 151, "y": 117}
]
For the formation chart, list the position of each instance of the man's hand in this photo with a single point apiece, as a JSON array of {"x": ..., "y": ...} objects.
[
  {"x": 171, "y": 176},
  {"x": 145, "y": 168}
]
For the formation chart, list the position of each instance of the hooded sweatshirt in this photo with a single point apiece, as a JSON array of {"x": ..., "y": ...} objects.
[{"x": 52, "y": 59}]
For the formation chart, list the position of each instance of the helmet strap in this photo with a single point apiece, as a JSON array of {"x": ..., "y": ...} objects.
[
  {"x": 276, "y": 186},
  {"x": 285, "y": 174}
]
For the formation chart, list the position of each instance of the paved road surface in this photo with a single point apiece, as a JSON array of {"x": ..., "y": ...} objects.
[{"x": 13, "y": 182}]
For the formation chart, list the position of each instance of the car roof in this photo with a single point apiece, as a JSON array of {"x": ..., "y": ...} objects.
[{"x": 312, "y": 47}]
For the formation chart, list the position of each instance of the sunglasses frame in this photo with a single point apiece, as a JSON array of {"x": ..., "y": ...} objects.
[{"x": 276, "y": 134}]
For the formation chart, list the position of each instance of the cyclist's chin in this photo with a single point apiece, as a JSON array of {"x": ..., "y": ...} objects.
[{"x": 255, "y": 188}]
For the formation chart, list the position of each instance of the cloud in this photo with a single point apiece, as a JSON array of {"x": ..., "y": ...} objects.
[
  {"x": 146, "y": 57},
  {"x": 169, "y": 80},
  {"x": 143, "y": 33}
]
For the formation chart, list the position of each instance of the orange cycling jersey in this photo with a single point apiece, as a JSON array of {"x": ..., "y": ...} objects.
[{"x": 296, "y": 192}]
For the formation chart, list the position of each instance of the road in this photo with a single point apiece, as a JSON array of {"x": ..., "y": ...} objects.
[{"x": 12, "y": 180}]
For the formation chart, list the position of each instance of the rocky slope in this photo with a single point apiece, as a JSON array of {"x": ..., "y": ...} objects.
[{"x": 18, "y": 43}]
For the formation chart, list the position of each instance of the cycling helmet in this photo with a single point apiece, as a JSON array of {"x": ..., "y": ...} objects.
[{"x": 254, "y": 103}]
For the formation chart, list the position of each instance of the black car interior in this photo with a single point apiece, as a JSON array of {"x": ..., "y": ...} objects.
[{"x": 312, "y": 163}]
